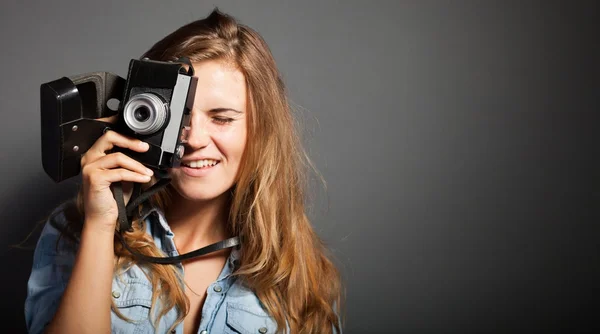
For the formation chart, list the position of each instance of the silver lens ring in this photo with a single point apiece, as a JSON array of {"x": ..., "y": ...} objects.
[{"x": 145, "y": 113}]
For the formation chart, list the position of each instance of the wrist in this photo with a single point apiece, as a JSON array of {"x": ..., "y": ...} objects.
[{"x": 98, "y": 227}]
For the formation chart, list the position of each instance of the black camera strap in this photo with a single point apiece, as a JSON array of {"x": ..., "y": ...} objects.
[
  {"x": 126, "y": 215},
  {"x": 227, "y": 243}
]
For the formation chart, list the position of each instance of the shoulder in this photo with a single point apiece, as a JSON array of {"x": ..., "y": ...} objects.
[
  {"x": 53, "y": 260},
  {"x": 61, "y": 230}
]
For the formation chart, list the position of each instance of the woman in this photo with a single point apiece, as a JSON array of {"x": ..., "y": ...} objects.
[{"x": 242, "y": 174}]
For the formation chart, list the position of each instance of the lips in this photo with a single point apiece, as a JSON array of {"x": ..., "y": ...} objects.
[{"x": 198, "y": 171}]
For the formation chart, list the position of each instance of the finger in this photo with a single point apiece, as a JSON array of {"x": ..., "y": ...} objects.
[
  {"x": 110, "y": 119},
  {"x": 122, "y": 174},
  {"x": 118, "y": 159},
  {"x": 111, "y": 138},
  {"x": 108, "y": 141}
]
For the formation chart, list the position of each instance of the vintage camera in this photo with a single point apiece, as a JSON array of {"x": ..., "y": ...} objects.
[{"x": 153, "y": 104}]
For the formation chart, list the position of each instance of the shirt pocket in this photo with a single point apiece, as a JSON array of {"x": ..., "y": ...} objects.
[
  {"x": 242, "y": 319},
  {"x": 133, "y": 299}
]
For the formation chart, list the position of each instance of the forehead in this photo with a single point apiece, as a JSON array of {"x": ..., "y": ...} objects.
[{"x": 220, "y": 85}]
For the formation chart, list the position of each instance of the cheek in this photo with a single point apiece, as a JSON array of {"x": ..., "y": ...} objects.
[{"x": 232, "y": 144}]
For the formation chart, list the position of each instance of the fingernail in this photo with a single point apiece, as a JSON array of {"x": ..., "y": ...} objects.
[
  {"x": 149, "y": 171},
  {"x": 144, "y": 145}
]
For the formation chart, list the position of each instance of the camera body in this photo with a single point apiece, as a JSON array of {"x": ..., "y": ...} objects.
[{"x": 154, "y": 105}]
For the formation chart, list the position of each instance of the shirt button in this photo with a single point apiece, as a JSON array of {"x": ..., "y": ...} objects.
[
  {"x": 218, "y": 288},
  {"x": 116, "y": 294},
  {"x": 262, "y": 330},
  {"x": 204, "y": 332}
]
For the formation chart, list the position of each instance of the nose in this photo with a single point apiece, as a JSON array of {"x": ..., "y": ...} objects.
[{"x": 198, "y": 136}]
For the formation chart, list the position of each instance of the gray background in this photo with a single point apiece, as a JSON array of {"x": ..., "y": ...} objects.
[{"x": 457, "y": 139}]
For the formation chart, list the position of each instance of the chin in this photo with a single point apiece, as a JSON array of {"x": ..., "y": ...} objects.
[
  {"x": 197, "y": 190},
  {"x": 197, "y": 195}
]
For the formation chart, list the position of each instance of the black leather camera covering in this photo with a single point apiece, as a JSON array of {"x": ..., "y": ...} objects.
[{"x": 69, "y": 109}]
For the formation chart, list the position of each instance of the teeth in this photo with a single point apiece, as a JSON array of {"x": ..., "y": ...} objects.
[{"x": 202, "y": 163}]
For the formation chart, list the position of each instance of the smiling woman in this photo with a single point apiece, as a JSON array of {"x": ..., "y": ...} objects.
[
  {"x": 217, "y": 139},
  {"x": 242, "y": 174}
]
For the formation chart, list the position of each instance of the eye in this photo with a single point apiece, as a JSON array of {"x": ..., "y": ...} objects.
[{"x": 222, "y": 120}]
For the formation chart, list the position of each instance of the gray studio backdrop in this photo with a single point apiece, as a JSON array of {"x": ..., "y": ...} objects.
[{"x": 458, "y": 141}]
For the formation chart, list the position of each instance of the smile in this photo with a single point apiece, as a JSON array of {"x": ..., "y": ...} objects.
[
  {"x": 207, "y": 163},
  {"x": 199, "y": 168}
]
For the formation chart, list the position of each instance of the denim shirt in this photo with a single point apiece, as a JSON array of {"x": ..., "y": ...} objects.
[{"x": 230, "y": 307}]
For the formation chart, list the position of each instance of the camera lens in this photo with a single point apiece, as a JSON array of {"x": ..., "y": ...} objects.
[
  {"x": 141, "y": 114},
  {"x": 145, "y": 113}
]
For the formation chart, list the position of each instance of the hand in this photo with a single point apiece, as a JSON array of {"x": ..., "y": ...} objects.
[{"x": 99, "y": 170}]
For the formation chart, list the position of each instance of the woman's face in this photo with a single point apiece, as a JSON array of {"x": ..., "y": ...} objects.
[{"x": 217, "y": 136}]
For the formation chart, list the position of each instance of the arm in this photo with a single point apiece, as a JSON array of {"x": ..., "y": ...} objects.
[
  {"x": 84, "y": 293},
  {"x": 85, "y": 305}
]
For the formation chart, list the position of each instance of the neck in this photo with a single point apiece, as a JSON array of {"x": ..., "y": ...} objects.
[{"x": 197, "y": 223}]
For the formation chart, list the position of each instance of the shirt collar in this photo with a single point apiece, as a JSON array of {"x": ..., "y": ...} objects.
[
  {"x": 148, "y": 209},
  {"x": 233, "y": 260}
]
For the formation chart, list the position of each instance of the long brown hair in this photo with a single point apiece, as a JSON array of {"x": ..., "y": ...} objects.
[{"x": 282, "y": 258}]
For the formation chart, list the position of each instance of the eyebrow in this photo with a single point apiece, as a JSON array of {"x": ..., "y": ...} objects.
[{"x": 218, "y": 110}]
